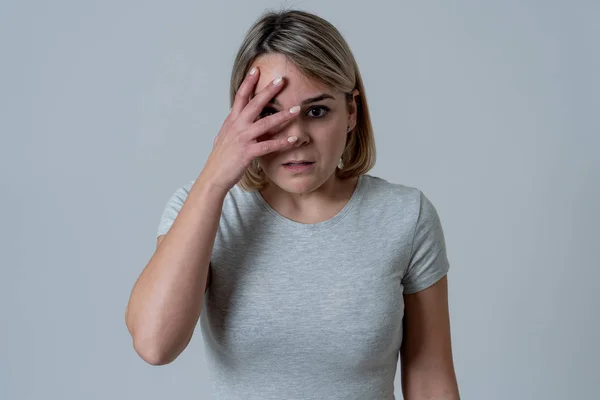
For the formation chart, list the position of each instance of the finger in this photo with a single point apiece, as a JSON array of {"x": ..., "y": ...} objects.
[
  {"x": 264, "y": 125},
  {"x": 242, "y": 96},
  {"x": 269, "y": 146},
  {"x": 253, "y": 109}
]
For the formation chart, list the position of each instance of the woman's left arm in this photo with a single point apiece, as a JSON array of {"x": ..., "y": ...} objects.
[{"x": 426, "y": 352}]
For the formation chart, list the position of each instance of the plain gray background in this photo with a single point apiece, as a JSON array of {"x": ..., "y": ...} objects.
[{"x": 489, "y": 107}]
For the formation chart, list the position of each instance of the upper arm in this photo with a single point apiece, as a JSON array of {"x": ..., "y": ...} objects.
[
  {"x": 159, "y": 240},
  {"x": 426, "y": 352}
]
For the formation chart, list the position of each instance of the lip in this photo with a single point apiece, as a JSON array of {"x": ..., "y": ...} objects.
[
  {"x": 297, "y": 161},
  {"x": 299, "y": 168}
]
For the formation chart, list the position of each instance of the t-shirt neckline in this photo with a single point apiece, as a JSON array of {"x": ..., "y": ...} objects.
[{"x": 319, "y": 225}]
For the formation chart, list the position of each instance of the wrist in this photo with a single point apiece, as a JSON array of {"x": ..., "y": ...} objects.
[{"x": 209, "y": 186}]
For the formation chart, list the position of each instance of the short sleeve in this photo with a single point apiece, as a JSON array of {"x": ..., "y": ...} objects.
[
  {"x": 429, "y": 261},
  {"x": 172, "y": 208}
]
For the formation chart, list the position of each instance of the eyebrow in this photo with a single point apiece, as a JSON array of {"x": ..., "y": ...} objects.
[{"x": 320, "y": 97}]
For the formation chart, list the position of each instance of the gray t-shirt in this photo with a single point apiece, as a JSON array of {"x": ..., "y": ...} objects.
[{"x": 314, "y": 311}]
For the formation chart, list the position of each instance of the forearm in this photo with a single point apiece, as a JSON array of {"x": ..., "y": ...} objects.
[
  {"x": 433, "y": 382},
  {"x": 166, "y": 300}
]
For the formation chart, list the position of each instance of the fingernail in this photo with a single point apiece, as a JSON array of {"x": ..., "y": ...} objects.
[
  {"x": 295, "y": 109},
  {"x": 253, "y": 71},
  {"x": 292, "y": 139},
  {"x": 277, "y": 81}
]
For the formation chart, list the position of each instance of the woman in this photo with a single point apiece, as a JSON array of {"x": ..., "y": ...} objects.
[{"x": 309, "y": 276}]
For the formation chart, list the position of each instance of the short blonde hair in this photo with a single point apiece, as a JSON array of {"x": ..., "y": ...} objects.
[{"x": 317, "y": 49}]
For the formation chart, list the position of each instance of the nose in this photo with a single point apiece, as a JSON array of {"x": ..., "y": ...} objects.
[{"x": 297, "y": 128}]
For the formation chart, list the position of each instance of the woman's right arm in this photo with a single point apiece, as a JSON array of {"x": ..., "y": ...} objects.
[{"x": 166, "y": 300}]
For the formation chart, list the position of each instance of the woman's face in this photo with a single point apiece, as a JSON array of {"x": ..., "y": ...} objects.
[{"x": 321, "y": 127}]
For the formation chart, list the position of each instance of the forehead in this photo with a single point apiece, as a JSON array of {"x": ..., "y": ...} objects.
[{"x": 296, "y": 83}]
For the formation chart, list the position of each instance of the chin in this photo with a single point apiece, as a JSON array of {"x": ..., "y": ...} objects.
[{"x": 299, "y": 184}]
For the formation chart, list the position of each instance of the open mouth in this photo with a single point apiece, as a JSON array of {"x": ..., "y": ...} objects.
[
  {"x": 293, "y": 164},
  {"x": 299, "y": 166}
]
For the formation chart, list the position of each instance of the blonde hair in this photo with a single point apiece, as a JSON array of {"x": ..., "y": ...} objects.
[{"x": 317, "y": 49}]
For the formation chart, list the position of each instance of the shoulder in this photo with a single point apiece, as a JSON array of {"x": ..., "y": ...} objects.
[
  {"x": 236, "y": 203},
  {"x": 235, "y": 195},
  {"x": 382, "y": 193},
  {"x": 399, "y": 202}
]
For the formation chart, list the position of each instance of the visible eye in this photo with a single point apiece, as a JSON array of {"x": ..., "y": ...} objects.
[
  {"x": 267, "y": 111},
  {"x": 318, "y": 111}
]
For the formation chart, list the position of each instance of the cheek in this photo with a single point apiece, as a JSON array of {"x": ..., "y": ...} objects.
[
  {"x": 267, "y": 160},
  {"x": 332, "y": 140}
]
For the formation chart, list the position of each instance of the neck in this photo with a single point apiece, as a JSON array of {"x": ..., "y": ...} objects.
[{"x": 312, "y": 207}]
